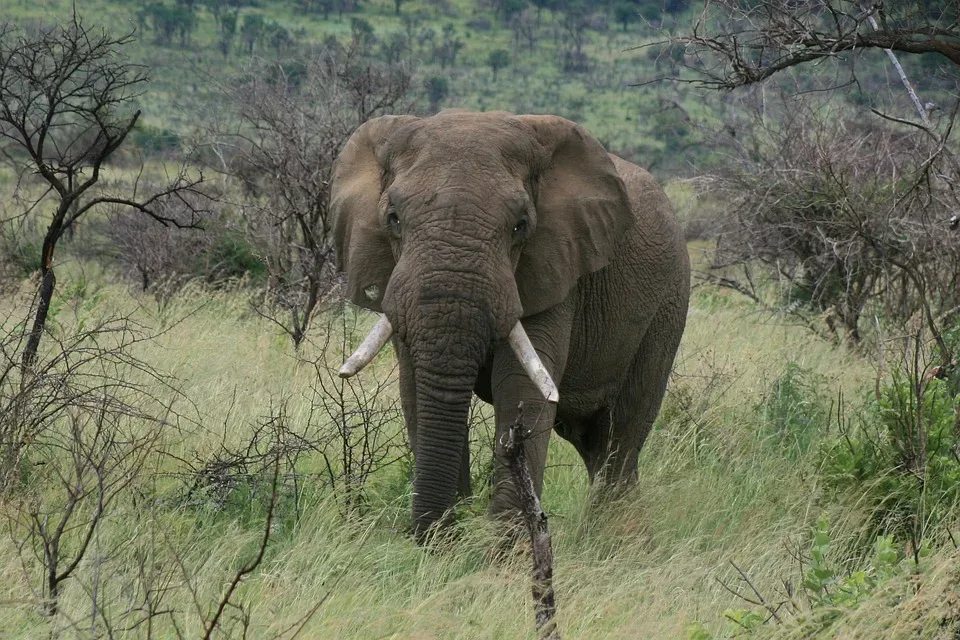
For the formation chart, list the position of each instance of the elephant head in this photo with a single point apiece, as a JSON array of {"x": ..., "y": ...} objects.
[{"x": 456, "y": 227}]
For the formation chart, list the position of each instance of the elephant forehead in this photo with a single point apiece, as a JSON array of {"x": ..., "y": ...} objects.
[{"x": 460, "y": 142}]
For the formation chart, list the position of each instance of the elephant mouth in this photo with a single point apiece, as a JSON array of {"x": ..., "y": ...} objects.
[{"x": 518, "y": 340}]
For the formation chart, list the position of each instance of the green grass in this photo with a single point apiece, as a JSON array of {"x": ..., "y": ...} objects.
[
  {"x": 714, "y": 489},
  {"x": 184, "y": 81}
]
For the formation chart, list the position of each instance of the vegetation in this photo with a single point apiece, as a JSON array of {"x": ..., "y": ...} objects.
[{"x": 180, "y": 458}]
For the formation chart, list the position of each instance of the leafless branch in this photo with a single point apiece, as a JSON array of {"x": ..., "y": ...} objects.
[{"x": 536, "y": 522}]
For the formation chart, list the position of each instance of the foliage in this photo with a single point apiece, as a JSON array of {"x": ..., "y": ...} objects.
[
  {"x": 901, "y": 457},
  {"x": 827, "y": 589},
  {"x": 794, "y": 412},
  {"x": 438, "y": 87},
  {"x": 498, "y": 59}
]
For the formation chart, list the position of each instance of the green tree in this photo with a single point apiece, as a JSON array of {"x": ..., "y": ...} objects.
[
  {"x": 252, "y": 30},
  {"x": 506, "y": 9},
  {"x": 228, "y": 30},
  {"x": 362, "y": 34},
  {"x": 626, "y": 12},
  {"x": 168, "y": 21},
  {"x": 438, "y": 87},
  {"x": 498, "y": 59}
]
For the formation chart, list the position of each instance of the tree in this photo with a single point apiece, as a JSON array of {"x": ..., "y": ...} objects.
[
  {"x": 524, "y": 30},
  {"x": 449, "y": 47},
  {"x": 228, "y": 30},
  {"x": 626, "y": 12},
  {"x": 847, "y": 211},
  {"x": 394, "y": 47},
  {"x": 167, "y": 21},
  {"x": 506, "y": 9},
  {"x": 252, "y": 30},
  {"x": 437, "y": 89},
  {"x": 288, "y": 125},
  {"x": 744, "y": 42},
  {"x": 575, "y": 25},
  {"x": 498, "y": 59},
  {"x": 550, "y": 5},
  {"x": 362, "y": 35},
  {"x": 66, "y": 105}
]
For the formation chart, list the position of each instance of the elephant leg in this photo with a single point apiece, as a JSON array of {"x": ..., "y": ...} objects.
[
  {"x": 538, "y": 419},
  {"x": 638, "y": 402},
  {"x": 550, "y": 334}
]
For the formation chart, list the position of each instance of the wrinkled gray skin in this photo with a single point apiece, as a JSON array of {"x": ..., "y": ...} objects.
[{"x": 456, "y": 226}]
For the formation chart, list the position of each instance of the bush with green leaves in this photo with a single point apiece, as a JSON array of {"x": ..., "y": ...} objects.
[
  {"x": 794, "y": 411},
  {"x": 828, "y": 588},
  {"x": 901, "y": 457}
]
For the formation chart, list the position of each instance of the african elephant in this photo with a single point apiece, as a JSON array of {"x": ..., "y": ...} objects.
[{"x": 511, "y": 257}]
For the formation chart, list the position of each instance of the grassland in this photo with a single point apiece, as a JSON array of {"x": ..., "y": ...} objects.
[{"x": 719, "y": 486}]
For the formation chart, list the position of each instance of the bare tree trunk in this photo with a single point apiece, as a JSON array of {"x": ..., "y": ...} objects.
[
  {"x": 544, "y": 604},
  {"x": 44, "y": 295}
]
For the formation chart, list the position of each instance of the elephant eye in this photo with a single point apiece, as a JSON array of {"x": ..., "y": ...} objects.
[
  {"x": 520, "y": 229},
  {"x": 393, "y": 221}
]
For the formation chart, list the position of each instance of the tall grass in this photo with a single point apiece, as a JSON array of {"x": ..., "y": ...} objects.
[{"x": 718, "y": 486}]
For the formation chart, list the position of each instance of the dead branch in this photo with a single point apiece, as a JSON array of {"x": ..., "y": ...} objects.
[{"x": 536, "y": 521}]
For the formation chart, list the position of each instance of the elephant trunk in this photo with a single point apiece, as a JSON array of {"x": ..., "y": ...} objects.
[
  {"x": 443, "y": 407},
  {"x": 448, "y": 341}
]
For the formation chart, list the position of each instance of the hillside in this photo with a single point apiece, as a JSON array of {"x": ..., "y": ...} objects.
[{"x": 576, "y": 59}]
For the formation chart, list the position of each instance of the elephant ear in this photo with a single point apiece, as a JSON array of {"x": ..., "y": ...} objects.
[
  {"x": 362, "y": 245},
  {"x": 582, "y": 212}
]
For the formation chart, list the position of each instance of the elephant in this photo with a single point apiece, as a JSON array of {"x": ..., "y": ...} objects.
[{"x": 512, "y": 257}]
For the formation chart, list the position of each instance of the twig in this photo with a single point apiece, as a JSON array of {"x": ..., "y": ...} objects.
[
  {"x": 760, "y": 602},
  {"x": 536, "y": 521},
  {"x": 903, "y": 76},
  {"x": 253, "y": 564}
]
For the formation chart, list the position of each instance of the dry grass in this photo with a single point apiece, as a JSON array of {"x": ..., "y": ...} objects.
[{"x": 713, "y": 491}]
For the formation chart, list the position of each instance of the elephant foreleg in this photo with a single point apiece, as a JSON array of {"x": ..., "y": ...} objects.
[{"x": 511, "y": 384}]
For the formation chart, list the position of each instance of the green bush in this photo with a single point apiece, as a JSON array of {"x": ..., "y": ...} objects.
[
  {"x": 901, "y": 457},
  {"x": 21, "y": 254},
  {"x": 827, "y": 588},
  {"x": 154, "y": 140}
]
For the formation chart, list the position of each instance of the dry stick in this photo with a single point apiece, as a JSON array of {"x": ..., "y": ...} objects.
[
  {"x": 903, "y": 76},
  {"x": 536, "y": 521},
  {"x": 253, "y": 564}
]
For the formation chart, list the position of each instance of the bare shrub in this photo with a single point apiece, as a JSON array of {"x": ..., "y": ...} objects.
[
  {"x": 219, "y": 478},
  {"x": 357, "y": 420},
  {"x": 842, "y": 214},
  {"x": 354, "y": 429},
  {"x": 289, "y": 125},
  {"x": 162, "y": 259},
  {"x": 75, "y": 433}
]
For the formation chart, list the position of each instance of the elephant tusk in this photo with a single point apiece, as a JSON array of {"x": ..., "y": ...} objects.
[
  {"x": 368, "y": 349},
  {"x": 532, "y": 364}
]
